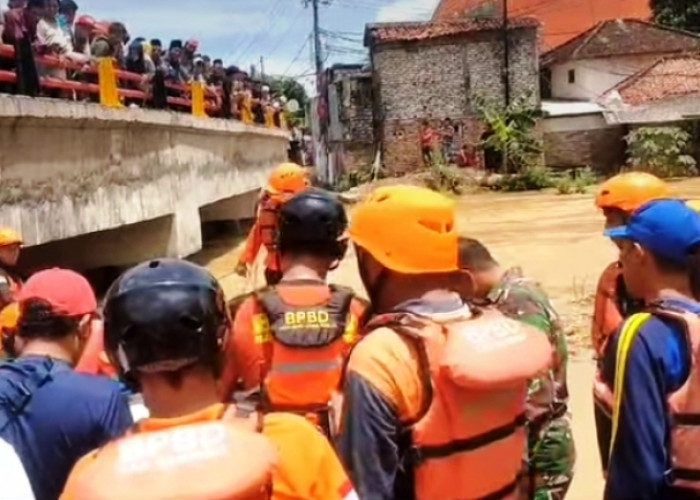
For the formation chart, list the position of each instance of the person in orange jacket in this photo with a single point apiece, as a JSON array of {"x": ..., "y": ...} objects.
[
  {"x": 10, "y": 247},
  {"x": 618, "y": 198},
  {"x": 165, "y": 324},
  {"x": 434, "y": 392},
  {"x": 286, "y": 180},
  {"x": 294, "y": 336}
]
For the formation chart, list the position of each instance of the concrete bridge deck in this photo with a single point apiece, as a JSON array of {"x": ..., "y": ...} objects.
[{"x": 89, "y": 186}]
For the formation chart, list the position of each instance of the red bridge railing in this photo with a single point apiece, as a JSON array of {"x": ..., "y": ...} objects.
[{"x": 96, "y": 84}]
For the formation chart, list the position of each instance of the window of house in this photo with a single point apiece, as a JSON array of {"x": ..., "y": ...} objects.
[{"x": 572, "y": 76}]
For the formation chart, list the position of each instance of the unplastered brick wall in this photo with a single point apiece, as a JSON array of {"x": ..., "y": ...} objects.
[
  {"x": 436, "y": 79},
  {"x": 603, "y": 150}
]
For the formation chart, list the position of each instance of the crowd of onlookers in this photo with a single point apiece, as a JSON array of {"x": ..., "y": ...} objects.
[{"x": 55, "y": 27}]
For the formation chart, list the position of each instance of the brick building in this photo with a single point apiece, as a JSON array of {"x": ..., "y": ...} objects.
[
  {"x": 351, "y": 134},
  {"x": 432, "y": 71}
]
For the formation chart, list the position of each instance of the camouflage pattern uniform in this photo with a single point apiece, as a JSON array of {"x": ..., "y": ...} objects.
[{"x": 550, "y": 464}]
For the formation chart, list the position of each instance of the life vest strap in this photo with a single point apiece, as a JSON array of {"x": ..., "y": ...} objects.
[
  {"x": 420, "y": 454},
  {"x": 686, "y": 474},
  {"x": 687, "y": 419}
]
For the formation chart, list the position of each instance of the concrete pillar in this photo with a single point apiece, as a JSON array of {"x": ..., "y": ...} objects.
[{"x": 185, "y": 232}]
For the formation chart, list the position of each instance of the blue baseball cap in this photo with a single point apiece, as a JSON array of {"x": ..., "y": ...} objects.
[{"x": 669, "y": 228}]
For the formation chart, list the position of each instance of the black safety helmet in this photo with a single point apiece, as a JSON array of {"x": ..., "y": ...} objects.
[
  {"x": 164, "y": 315},
  {"x": 313, "y": 222}
]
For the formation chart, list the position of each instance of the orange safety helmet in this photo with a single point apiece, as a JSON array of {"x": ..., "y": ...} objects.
[
  {"x": 287, "y": 178},
  {"x": 407, "y": 229},
  {"x": 9, "y": 237},
  {"x": 631, "y": 190},
  {"x": 9, "y": 320},
  {"x": 9, "y": 317}
]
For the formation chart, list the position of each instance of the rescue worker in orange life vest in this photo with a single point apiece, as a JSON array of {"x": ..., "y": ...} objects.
[
  {"x": 286, "y": 180},
  {"x": 649, "y": 373},
  {"x": 618, "y": 198},
  {"x": 165, "y": 324},
  {"x": 9, "y": 320},
  {"x": 10, "y": 283},
  {"x": 434, "y": 392},
  {"x": 301, "y": 330}
]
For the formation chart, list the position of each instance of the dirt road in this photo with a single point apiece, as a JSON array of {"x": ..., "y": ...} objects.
[{"x": 555, "y": 239}]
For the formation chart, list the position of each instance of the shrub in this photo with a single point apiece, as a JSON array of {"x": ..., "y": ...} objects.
[
  {"x": 662, "y": 151},
  {"x": 512, "y": 132},
  {"x": 532, "y": 179},
  {"x": 443, "y": 178},
  {"x": 357, "y": 177},
  {"x": 577, "y": 182}
]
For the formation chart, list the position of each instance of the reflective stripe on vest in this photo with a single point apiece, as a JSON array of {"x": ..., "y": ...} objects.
[
  {"x": 629, "y": 332},
  {"x": 305, "y": 367}
]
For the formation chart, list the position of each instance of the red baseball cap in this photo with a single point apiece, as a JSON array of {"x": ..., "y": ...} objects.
[
  {"x": 68, "y": 292},
  {"x": 87, "y": 21}
]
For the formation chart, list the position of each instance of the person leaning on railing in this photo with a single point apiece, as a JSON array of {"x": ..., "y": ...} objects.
[{"x": 56, "y": 40}]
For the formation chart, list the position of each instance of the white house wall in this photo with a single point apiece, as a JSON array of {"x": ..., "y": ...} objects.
[{"x": 595, "y": 76}]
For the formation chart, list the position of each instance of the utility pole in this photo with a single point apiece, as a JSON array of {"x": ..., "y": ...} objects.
[
  {"x": 262, "y": 69},
  {"x": 317, "y": 44},
  {"x": 506, "y": 54}
]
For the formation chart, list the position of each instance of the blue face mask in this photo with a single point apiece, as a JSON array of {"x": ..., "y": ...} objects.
[{"x": 63, "y": 22}]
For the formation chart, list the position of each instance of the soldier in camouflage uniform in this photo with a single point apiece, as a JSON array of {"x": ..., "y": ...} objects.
[{"x": 551, "y": 453}]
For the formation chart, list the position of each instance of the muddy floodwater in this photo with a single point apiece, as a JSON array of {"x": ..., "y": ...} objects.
[{"x": 556, "y": 239}]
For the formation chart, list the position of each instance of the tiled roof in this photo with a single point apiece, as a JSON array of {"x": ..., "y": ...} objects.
[
  {"x": 413, "y": 31},
  {"x": 620, "y": 37},
  {"x": 560, "y": 19},
  {"x": 670, "y": 77}
]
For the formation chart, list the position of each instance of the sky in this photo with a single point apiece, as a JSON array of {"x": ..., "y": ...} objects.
[{"x": 242, "y": 31}]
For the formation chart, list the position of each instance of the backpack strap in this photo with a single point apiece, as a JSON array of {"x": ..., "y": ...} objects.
[
  {"x": 408, "y": 326},
  {"x": 18, "y": 393}
]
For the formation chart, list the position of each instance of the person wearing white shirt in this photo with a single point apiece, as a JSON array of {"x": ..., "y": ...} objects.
[{"x": 13, "y": 479}]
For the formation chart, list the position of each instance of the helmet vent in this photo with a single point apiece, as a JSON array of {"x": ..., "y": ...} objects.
[
  {"x": 440, "y": 227},
  {"x": 153, "y": 264}
]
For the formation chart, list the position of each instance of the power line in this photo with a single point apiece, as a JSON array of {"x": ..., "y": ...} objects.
[
  {"x": 298, "y": 55},
  {"x": 271, "y": 13},
  {"x": 283, "y": 38},
  {"x": 366, "y": 5}
]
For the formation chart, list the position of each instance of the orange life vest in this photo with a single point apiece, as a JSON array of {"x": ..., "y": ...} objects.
[
  {"x": 469, "y": 439},
  {"x": 683, "y": 404},
  {"x": 607, "y": 316},
  {"x": 268, "y": 218},
  {"x": 305, "y": 343},
  {"x": 214, "y": 460}
]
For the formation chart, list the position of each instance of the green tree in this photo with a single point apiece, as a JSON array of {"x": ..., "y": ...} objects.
[
  {"x": 512, "y": 132},
  {"x": 682, "y": 14},
  {"x": 663, "y": 151},
  {"x": 291, "y": 89}
]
